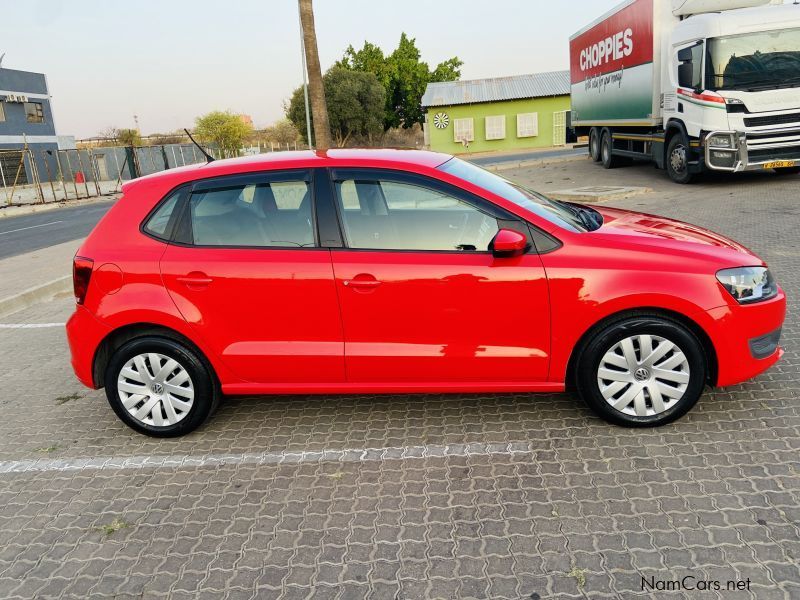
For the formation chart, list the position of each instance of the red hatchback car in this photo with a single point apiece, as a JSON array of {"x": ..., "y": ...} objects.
[{"x": 355, "y": 271}]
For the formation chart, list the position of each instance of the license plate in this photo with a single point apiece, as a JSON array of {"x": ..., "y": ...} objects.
[{"x": 780, "y": 164}]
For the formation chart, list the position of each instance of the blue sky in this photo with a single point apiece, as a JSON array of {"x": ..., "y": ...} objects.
[{"x": 168, "y": 61}]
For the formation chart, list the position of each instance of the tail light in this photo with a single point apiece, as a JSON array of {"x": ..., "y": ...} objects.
[{"x": 81, "y": 274}]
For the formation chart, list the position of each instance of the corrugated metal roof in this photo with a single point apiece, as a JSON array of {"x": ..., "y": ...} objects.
[{"x": 515, "y": 87}]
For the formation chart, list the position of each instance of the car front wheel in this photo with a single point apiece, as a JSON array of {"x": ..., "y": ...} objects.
[
  {"x": 160, "y": 387},
  {"x": 642, "y": 372}
]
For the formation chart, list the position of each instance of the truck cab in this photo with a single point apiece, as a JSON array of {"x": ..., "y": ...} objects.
[{"x": 736, "y": 81}]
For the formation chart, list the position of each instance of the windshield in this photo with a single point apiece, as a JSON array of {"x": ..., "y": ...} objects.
[
  {"x": 754, "y": 61},
  {"x": 554, "y": 211}
]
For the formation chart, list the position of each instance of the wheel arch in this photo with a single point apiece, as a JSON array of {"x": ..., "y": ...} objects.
[
  {"x": 120, "y": 336},
  {"x": 709, "y": 351}
]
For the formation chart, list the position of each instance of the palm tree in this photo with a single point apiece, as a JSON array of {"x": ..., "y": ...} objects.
[{"x": 316, "y": 92}]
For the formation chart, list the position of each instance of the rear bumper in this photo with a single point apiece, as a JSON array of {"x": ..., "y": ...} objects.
[
  {"x": 746, "y": 338},
  {"x": 84, "y": 334}
]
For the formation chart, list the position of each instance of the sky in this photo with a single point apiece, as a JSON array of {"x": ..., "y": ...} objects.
[{"x": 169, "y": 61}]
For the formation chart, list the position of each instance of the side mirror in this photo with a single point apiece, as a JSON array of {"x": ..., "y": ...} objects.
[
  {"x": 685, "y": 55},
  {"x": 508, "y": 243},
  {"x": 685, "y": 75}
]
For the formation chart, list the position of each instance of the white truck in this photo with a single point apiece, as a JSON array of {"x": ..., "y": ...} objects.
[{"x": 690, "y": 85}]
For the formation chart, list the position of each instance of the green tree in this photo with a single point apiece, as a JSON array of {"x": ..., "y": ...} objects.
[
  {"x": 404, "y": 76},
  {"x": 129, "y": 137},
  {"x": 225, "y": 129},
  {"x": 355, "y": 102},
  {"x": 282, "y": 132}
]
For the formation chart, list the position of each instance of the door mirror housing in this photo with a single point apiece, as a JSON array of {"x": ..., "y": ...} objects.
[
  {"x": 686, "y": 74},
  {"x": 508, "y": 243},
  {"x": 685, "y": 55}
]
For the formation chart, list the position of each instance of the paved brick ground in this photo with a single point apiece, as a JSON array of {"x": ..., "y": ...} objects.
[{"x": 503, "y": 496}]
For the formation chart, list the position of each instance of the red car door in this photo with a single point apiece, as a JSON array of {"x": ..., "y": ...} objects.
[
  {"x": 422, "y": 298},
  {"x": 248, "y": 274}
]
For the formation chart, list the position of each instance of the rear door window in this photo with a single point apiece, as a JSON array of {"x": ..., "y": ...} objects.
[{"x": 259, "y": 214}]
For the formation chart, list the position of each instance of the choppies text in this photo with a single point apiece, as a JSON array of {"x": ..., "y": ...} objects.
[{"x": 614, "y": 47}]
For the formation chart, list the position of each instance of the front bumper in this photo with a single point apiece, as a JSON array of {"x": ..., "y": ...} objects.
[
  {"x": 84, "y": 334},
  {"x": 737, "y": 330},
  {"x": 753, "y": 151}
]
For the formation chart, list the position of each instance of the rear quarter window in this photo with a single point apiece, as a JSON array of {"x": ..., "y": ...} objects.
[{"x": 158, "y": 223}]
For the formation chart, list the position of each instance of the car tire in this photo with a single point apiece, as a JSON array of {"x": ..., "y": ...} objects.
[
  {"x": 677, "y": 160},
  {"x": 160, "y": 387},
  {"x": 606, "y": 151},
  {"x": 594, "y": 144},
  {"x": 625, "y": 387}
]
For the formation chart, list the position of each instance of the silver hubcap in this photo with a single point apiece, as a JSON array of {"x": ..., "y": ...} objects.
[
  {"x": 678, "y": 159},
  {"x": 643, "y": 375},
  {"x": 155, "y": 389}
]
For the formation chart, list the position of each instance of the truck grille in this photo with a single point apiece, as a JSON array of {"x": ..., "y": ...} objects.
[{"x": 773, "y": 120}]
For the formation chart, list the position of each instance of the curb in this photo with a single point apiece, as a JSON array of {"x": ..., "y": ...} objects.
[
  {"x": 34, "y": 295},
  {"x": 540, "y": 162},
  {"x": 27, "y": 209}
]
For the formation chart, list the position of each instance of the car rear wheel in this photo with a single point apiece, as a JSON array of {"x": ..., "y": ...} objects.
[
  {"x": 642, "y": 372},
  {"x": 594, "y": 144},
  {"x": 160, "y": 387}
]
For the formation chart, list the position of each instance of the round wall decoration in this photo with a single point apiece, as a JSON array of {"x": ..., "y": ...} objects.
[{"x": 441, "y": 120}]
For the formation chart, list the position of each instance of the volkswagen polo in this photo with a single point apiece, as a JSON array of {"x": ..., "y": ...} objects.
[{"x": 372, "y": 271}]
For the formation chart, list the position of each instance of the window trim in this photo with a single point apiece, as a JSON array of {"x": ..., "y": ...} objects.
[
  {"x": 2, "y": 112},
  {"x": 502, "y": 216},
  {"x": 534, "y": 128}
]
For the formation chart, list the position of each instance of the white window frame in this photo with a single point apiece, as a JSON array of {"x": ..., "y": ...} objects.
[
  {"x": 495, "y": 127},
  {"x": 464, "y": 129},
  {"x": 2, "y": 112},
  {"x": 527, "y": 124}
]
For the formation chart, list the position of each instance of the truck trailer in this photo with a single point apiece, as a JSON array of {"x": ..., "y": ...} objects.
[{"x": 690, "y": 85}]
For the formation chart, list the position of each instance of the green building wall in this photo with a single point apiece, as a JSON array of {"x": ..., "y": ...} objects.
[{"x": 442, "y": 140}]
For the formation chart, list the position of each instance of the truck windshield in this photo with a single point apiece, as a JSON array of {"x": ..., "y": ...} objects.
[
  {"x": 562, "y": 214},
  {"x": 754, "y": 61}
]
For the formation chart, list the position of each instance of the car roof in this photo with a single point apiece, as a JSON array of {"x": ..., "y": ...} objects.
[{"x": 367, "y": 157}]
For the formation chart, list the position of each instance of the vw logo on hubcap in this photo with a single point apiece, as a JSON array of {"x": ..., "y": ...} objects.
[
  {"x": 641, "y": 374},
  {"x": 158, "y": 389}
]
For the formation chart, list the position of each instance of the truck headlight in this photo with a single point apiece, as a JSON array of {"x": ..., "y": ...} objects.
[
  {"x": 720, "y": 141},
  {"x": 748, "y": 284}
]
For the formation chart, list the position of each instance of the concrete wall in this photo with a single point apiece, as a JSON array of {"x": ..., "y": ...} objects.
[{"x": 442, "y": 140}]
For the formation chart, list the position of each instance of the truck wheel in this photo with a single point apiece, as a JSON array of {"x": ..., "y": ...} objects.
[
  {"x": 594, "y": 144},
  {"x": 678, "y": 160},
  {"x": 606, "y": 154}
]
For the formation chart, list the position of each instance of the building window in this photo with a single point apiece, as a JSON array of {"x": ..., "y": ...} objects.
[
  {"x": 2, "y": 113},
  {"x": 34, "y": 112},
  {"x": 463, "y": 129},
  {"x": 527, "y": 125},
  {"x": 496, "y": 127}
]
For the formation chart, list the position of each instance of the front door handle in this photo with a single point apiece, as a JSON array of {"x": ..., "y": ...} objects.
[
  {"x": 362, "y": 282},
  {"x": 195, "y": 280}
]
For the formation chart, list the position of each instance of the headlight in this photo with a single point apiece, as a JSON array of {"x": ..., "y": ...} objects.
[
  {"x": 720, "y": 141},
  {"x": 748, "y": 284}
]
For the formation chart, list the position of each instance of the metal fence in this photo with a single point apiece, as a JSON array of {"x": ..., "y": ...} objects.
[{"x": 35, "y": 176}]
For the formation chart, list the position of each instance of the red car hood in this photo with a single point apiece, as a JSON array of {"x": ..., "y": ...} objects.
[{"x": 652, "y": 230}]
